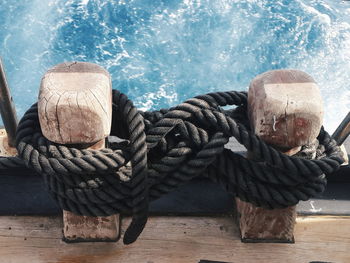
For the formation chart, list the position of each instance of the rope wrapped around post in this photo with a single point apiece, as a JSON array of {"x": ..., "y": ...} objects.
[{"x": 166, "y": 148}]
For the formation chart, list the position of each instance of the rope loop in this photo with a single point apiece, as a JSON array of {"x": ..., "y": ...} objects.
[{"x": 166, "y": 148}]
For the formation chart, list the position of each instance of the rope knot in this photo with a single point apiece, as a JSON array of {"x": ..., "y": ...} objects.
[{"x": 164, "y": 149}]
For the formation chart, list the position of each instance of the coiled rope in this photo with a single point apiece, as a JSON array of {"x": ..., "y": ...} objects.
[{"x": 167, "y": 148}]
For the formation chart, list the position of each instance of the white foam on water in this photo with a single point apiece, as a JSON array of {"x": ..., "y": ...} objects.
[{"x": 162, "y": 52}]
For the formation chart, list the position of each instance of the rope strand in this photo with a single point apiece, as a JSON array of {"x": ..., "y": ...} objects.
[{"x": 165, "y": 149}]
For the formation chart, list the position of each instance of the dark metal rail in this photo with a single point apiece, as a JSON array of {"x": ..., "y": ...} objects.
[
  {"x": 343, "y": 130},
  {"x": 7, "y": 108}
]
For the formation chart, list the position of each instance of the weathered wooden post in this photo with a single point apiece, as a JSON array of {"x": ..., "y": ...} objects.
[
  {"x": 285, "y": 110},
  {"x": 75, "y": 107}
]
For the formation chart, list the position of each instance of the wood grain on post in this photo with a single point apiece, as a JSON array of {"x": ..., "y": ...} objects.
[
  {"x": 75, "y": 107},
  {"x": 285, "y": 110}
]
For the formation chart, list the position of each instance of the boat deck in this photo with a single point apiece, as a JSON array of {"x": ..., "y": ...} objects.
[
  {"x": 176, "y": 240},
  {"x": 321, "y": 235}
]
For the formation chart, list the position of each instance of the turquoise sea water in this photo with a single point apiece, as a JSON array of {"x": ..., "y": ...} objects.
[{"x": 160, "y": 52}]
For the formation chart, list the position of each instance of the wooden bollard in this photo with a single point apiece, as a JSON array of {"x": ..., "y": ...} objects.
[
  {"x": 285, "y": 110},
  {"x": 75, "y": 107}
]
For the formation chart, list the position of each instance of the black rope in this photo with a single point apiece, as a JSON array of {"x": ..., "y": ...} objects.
[{"x": 167, "y": 148}]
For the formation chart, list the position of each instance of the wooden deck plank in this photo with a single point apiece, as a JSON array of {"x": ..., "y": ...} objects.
[{"x": 175, "y": 239}]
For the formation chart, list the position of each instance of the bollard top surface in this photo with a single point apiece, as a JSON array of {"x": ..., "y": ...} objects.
[
  {"x": 75, "y": 103},
  {"x": 285, "y": 108}
]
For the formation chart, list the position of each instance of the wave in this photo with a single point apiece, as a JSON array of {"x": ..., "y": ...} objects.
[{"x": 162, "y": 52}]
